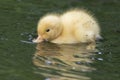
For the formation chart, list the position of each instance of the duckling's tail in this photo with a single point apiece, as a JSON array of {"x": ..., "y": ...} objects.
[{"x": 99, "y": 38}]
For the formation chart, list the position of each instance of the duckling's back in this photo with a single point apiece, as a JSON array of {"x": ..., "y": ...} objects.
[{"x": 81, "y": 21}]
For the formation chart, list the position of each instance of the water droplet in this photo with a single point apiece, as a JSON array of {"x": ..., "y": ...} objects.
[
  {"x": 2, "y": 38},
  {"x": 30, "y": 37},
  {"x": 78, "y": 63},
  {"x": 48, "y": 62},
  {"x": 47, "y": 79},
  {"x": 100, "y": 59},
  {"x": 99, "y": 52}
]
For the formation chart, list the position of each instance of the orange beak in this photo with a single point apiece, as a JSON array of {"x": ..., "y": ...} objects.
[{"x": 38, "y": 40}]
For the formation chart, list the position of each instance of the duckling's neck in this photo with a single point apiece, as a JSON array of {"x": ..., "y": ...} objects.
[{"x": 60, "y": 30}]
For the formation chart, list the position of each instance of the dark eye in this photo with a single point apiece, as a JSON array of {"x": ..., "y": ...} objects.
[{"x": 47, "y": 30}]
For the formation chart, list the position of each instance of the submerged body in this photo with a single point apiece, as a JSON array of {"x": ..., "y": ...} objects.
[{"x": 75, "y": 26}]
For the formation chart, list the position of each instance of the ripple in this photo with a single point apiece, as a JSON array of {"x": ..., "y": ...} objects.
[
  {"x": 62, "y": 62},
  {"x": 28, "y": 37},
  {"x": 3, "y": 38},
  {"x": 28, "y": 42}
]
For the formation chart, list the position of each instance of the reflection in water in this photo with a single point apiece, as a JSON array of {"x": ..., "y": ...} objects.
[{"x": 63, "y": 62}]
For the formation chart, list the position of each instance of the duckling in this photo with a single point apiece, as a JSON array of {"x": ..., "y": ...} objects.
[
  {"x": 73, "y": 26},
  {"x": 49, "y": 28}
]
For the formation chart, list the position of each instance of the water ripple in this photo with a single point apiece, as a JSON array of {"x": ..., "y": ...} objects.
[{"x": 63, "y": 62}]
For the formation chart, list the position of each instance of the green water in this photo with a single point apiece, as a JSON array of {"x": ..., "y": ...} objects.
[{"x": 22, "y": 60}]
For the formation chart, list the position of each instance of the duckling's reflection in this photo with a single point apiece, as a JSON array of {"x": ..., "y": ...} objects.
[{"x": 63, "y": 62}]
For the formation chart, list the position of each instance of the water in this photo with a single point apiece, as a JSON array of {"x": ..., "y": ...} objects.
[
  {"x": 63, "y": 62},
  {"x": 20, "y": 59}
]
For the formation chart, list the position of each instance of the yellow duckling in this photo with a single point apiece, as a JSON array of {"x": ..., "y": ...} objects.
[{"x": 74, "y": 26}]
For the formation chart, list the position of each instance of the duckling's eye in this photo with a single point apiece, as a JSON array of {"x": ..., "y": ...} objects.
[{"x": 47, "y": 30}]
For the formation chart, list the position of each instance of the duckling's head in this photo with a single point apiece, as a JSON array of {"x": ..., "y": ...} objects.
[{"x": 49, "y": 28}]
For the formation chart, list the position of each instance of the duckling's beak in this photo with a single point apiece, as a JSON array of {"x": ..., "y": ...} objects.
[{"x": 38, "y": 40}]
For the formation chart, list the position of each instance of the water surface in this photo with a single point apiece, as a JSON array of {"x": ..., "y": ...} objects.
[
  {"x": 63, "y": 62},
  {"x": 20, "y": 59}
]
